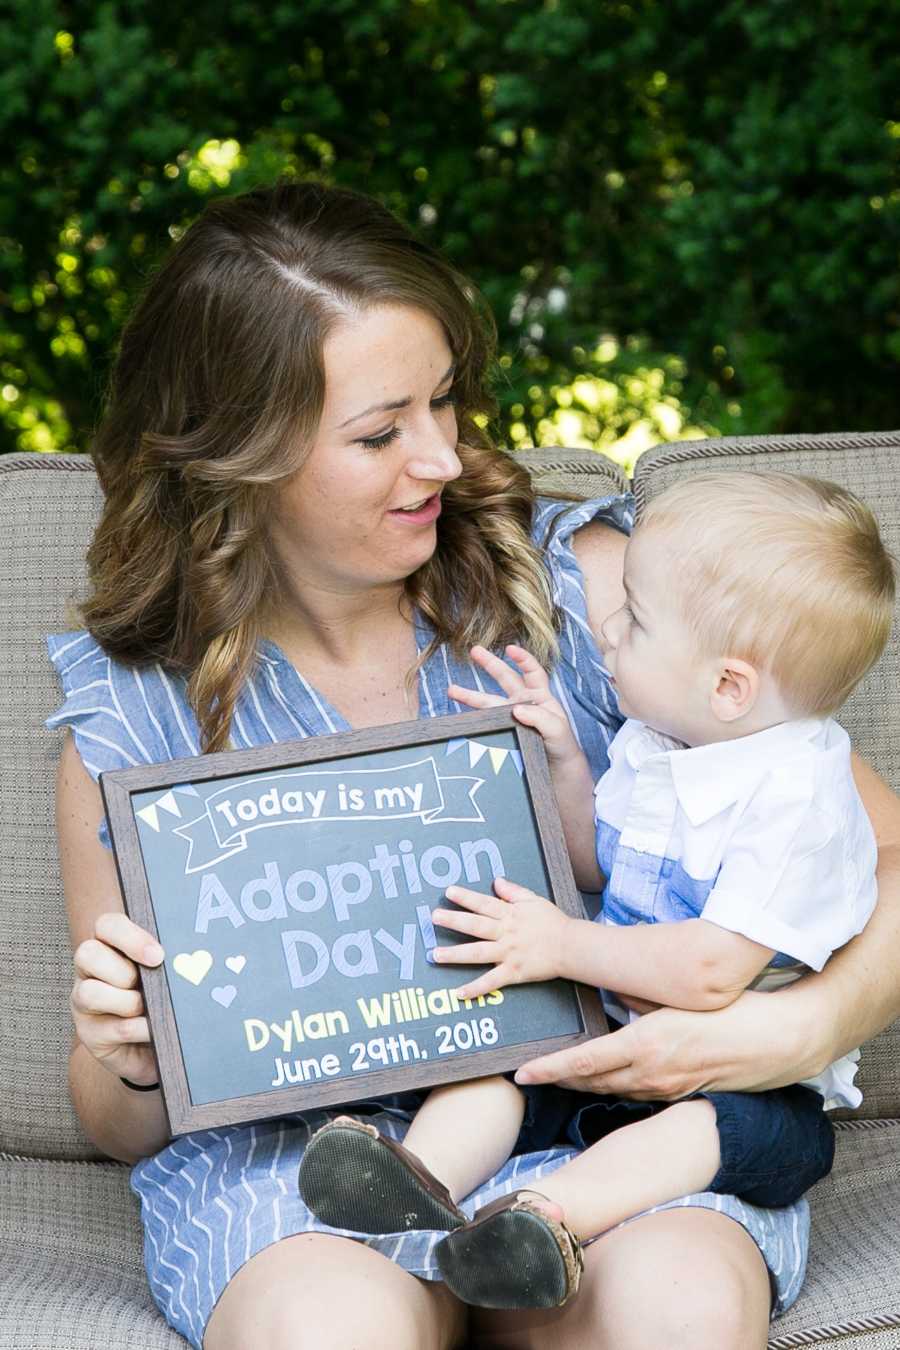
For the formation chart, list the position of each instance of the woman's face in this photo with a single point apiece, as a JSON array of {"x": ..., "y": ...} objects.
[{"x": 361, "y": 511}]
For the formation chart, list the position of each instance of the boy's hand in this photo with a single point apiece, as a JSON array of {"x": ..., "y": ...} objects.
[
  {"x": 519, "y": 933},
  {"x": 528, "y": 689}
]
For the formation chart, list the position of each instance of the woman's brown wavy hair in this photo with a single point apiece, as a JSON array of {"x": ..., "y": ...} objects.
[{"x": 217, "y": 389}]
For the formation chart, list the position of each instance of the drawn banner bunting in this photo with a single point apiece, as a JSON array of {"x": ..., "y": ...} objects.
[{"x": 310, "y": 796}]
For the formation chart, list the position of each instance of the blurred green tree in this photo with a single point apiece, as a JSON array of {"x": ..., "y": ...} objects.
[{"x": 685, "y": 215}]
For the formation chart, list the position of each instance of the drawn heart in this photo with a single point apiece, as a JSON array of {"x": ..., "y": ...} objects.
[
  {"x": 224, "y": 994},
  {"x": 236, "y": 963},
  {"x": 194, "y": 967}
]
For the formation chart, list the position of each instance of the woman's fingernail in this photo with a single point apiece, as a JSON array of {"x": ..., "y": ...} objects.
[{"x": 153, "y": 954}]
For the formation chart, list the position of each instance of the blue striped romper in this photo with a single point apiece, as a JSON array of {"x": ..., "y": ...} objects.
[{"x": 213, "y": 1199}]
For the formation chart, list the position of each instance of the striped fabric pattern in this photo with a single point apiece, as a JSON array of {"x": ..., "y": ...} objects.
[{"x": 213, "y": 1199}]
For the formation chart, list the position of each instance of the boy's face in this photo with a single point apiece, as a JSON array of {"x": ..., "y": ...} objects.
[{"x": 658, "y": 674}]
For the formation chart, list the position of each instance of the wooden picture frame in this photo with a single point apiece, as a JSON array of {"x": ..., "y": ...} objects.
[{"x": 145, "y": 804}]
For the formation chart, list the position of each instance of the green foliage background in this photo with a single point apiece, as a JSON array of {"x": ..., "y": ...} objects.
[{"x": 686, "y": 215}]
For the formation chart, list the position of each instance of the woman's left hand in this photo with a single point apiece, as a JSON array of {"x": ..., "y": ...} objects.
[
  {"x": 671, "y": 1053},
  {"x": 520, "y": 934}
]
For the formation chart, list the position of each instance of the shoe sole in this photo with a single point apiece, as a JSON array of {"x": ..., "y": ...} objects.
[
  {"x": 350, "y": 1179},
  {"x": 512, "y": 1260}
]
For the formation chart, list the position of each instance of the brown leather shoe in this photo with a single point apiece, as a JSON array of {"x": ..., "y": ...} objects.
[
  {"x": 512, "y": 1255},
  {"x": 353, "y": 1177}
]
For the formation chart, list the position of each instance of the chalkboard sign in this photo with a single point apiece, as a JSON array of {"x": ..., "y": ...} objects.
[{"x": 292, "y": 886}]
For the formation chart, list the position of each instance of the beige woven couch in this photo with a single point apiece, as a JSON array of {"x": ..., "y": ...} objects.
[{"x": 71, "y": 1276}]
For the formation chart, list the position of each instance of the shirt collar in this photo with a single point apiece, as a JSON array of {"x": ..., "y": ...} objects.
[{"x": 709, "y": 778}]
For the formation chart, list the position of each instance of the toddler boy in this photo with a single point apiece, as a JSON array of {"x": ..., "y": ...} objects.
[{"x": 735, "y": 851}]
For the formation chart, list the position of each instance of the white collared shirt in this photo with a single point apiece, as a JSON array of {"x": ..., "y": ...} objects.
[{"x": 764, "y": 835}]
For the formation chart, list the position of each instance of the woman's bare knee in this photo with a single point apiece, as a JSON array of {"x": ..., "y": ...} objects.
[
  {"x": 314, "y": 1292},
  {"x": 686, "y": 1279}
]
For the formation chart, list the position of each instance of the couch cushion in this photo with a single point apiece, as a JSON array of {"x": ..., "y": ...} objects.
[
  {"x": 876, "y": 1338},
  {"x": 853, "y": 1280},
  {"x": 70, "y": 1253},
  {"x": 868, "y": 464},
  {"x": 575, "y": 473},
  {"x": 48, "y": 505}
]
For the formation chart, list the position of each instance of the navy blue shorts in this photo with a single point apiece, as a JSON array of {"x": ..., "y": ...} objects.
[{"x": 774, "y": 1145}]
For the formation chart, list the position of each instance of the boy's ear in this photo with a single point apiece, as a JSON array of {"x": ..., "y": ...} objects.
[{"x": 736, "y": 689}]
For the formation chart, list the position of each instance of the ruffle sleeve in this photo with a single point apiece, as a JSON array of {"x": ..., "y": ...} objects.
[
  {"x": 108, "y": 712},
  {"x": 583, "y": 680}
]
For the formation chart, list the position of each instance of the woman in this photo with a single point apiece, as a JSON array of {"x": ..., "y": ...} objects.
[{"x": 305, "y": 529}]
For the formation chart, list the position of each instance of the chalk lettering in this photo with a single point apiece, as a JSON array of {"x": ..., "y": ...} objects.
[
  {"x": 225, "y": 808},
  {"x": 410, "y": 871},
  {"x": 446, "y": 875},
  {"x": 214, "y": 902},
  {"x": 305, "y": 1070},
  {"x": 348, "y": 884},
  {"x": 299, "y": 977},
  {"x": 405, "y": 950},
  {"x": 470, "y": 849},
  {"x": 385, "y": 864},
  {"x": 366, "y": 962},
  {"x": 296, "y": 1029},
  {"x": 415, "y": 1005},
  {"x": 305, "y": 877},
  {"x": 338, "y": 874},
  {"x": 269, "y": 885}
]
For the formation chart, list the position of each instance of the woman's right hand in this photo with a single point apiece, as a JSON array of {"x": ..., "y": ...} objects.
[{"x": 107, "y": 1007}]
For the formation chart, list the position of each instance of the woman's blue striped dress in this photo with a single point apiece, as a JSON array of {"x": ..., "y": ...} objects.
[{"x": 212, "y": 1200}]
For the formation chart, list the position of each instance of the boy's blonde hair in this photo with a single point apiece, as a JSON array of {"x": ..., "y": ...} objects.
[{"x": 786, "y": 572}]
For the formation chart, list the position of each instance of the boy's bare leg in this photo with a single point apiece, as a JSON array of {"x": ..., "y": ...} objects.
[
  {"x": 464, "y": 1132},
  {"x": 668, "y": 1155}
]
